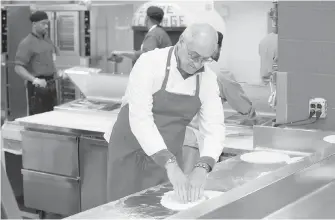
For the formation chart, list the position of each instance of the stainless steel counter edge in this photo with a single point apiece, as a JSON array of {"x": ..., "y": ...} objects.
[
  {"x": 253, "y": 186},
  {"x": 56, "y": 129},
  {"x": 52, "y": 128},
  {"x": 289, "y": 139},
  {"x": 318, "y": 204},
  {"x": 285, "y": 193}
]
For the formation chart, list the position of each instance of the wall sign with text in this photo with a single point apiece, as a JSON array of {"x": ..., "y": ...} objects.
[{"x": 173, "y": 16}]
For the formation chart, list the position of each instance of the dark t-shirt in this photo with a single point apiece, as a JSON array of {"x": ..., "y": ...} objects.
[
  {"x": 36, "y": 55},
  {"x": 156, "y": 38}
]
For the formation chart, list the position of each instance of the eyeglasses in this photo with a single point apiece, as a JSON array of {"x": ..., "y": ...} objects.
[{"x": 196, "y": 58}]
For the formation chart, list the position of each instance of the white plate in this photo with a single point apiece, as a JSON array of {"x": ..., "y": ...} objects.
[
  {"x": 265, "y": 157},
  {"x": 330, "y": 139}
]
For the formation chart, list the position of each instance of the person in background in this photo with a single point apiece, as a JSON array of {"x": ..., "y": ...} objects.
[
  {"x": 268, "y": 52},
  {"x": 230, "y": 91},
  {"x": 167, "y": 88},
  {"x": 155, "y": 38},
  {"x": 34, "y": 62}
]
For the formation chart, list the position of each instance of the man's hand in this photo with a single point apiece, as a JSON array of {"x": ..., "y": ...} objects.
[
  {"x": 252, "y": 114},
  {"x": 251, "y": 119},
  {"x": 116, "y": 56},
  {"x": 115, "y": 53},
  {"x": 197, "y": 181},
  {"x": 178, "y": 180},
  {"x": 40, "y": 82}
]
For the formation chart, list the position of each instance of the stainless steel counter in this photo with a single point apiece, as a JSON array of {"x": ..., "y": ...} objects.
[
  {"x": 243, "y": 183},
  {"x": 227, "y": 175},
  {"x": 71, "y": 141},
  {"x": 285, "y": 197},
  {"x": 317, "y": 205}
]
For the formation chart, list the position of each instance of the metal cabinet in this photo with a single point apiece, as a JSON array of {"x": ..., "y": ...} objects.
[
  {"x": 93, "y": 157},
  {"x": 50, "y": 153},
  {"x": 64, "y": 173},
  {"x": 51, "y": 178},
  {"x": 51, "y": 193}
]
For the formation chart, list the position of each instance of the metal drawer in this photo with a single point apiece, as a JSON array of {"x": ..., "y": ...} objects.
[
  {"x": 50, "y": 153},
  {"x": 51, "y": 193}
]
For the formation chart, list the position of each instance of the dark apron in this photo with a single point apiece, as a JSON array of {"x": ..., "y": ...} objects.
[
  {"x": 39, "y": 99},
  {"x": 130, "y": 170}
]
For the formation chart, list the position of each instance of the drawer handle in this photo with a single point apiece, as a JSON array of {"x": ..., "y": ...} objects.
[{"x": 47, "y": 175}]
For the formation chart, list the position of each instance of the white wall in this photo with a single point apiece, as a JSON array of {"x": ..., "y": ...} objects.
[{"x": 246, "y": 25}]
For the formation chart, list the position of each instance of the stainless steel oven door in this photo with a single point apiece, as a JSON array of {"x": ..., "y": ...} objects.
[{"x": 64, "y": 31}]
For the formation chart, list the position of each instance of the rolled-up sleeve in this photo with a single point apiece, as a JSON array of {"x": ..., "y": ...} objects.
[
  {"x": 139, "y": 93},
  {"x": 211, "y": 119},
  {"x": 233, "y": 93},
  {"x": 23, "y": 54}
]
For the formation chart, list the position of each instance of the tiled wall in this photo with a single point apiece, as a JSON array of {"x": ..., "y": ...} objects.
[{"x": 307, "y": 53}]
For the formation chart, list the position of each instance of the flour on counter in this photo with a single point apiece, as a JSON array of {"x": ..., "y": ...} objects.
[{"x": 170, "y": 200}]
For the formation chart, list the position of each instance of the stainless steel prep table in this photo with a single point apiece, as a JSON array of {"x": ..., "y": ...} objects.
[
  {"x": 229, "y": 174},
  {"x": 70, "y": 175},
  {"x": 64, "y": 154},
  {"x": 242, "y": 182}
]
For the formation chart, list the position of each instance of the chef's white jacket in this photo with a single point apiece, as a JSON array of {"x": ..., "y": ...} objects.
[{"x": 146, "y": 78}]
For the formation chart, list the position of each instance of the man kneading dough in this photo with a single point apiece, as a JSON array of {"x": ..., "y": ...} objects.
[{"x": 167, "y": 88}]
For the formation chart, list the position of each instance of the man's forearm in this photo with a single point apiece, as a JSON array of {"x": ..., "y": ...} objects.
[
  {"x": 134, "y": 55},
  {"x": 21, "y": 71}
]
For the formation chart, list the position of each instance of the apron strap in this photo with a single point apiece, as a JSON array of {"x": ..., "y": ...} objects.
[
  {"x": 197, "y": 91},
  {"x": 167, "y": 69}
]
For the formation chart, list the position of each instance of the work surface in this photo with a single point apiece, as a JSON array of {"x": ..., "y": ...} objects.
[
  {"x": 227, "y": 175},
  {"x": 72, "y": 120},
  {"x": 236, "y": 178},
  {"x": 240, "y": 137},
  {"x": 317, "y": 205},
  {"x": 94, "y": 121}
]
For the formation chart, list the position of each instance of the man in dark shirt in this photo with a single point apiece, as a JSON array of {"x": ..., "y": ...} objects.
[
  {"x": 155, "y": 38},
  {"x": 34, "y": 62}
]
